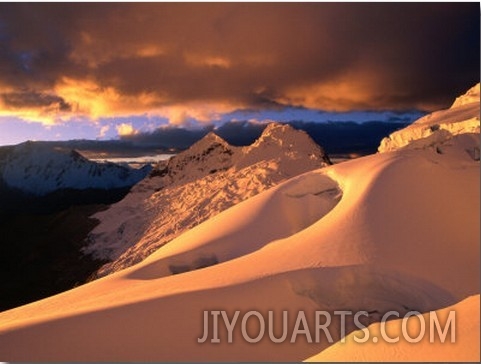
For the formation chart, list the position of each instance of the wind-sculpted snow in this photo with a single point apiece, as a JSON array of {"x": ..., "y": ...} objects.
[{"x": 167, "y": 327}]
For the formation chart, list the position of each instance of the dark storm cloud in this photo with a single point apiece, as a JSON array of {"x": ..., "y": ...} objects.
[
  {"x": 37, "y": 40},
  {"x": 245, "y": 55},
  {"x": 29, "y": 99}
]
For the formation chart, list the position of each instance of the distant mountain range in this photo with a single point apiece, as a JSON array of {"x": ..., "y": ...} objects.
[
  {"x": 40, "y": 168},
  {"x": 337, "y": 137}
]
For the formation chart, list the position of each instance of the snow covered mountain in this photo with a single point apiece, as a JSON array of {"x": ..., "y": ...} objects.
[
  {"x": 194, "y": 186},
  {"x": 390, "y": 231},
  {"x": 38, "y": 168},
  {"x": 432, "y": 130}
]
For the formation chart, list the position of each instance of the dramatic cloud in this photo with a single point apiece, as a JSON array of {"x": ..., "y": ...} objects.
[
  {"x": 195, "y": 61},
  {"x": 33, "y": 105},
  {"x": 33, "y": 99}
]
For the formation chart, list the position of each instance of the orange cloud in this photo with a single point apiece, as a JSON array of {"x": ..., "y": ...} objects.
[
  {"x": 43, "y": 107},
  {"x": 356, "y": 89},
  {"x": 86, "y": 98},
  {"x": 32, "y": 115},
  {"x": 90, "y": 99}
]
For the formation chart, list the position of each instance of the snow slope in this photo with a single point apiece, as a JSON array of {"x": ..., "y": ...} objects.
[
  {"x": 464, "y": 350},
  {"x": 462, "y": 117},
  {"x": 39, "y": 168},
  {"x": 391, "y": 231},
  {"x": 195, "y": 185}
]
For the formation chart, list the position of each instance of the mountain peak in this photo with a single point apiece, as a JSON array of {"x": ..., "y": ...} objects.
[
  {"x": 208, "y": 140},
  {"x": 213, "y": 137},
  {"x": 206, "y": 156},
  {"x": 276, "y": 130},
  {"x": 282, "y": 139},
  {"x": 284, "y": 135},
  {"x": 277, "y": 126}
]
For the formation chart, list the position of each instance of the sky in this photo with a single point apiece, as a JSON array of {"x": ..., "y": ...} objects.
[{"x": 114, "y": 70}]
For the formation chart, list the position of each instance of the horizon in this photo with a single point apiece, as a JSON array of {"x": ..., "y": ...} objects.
[
  {"x": 12, "y": 131},
  {"x": 117, "y": 71},
  {"x": 337, "y": 138}
]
